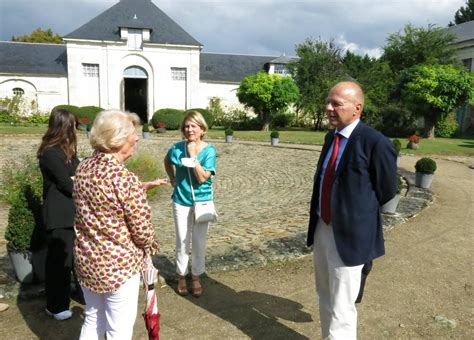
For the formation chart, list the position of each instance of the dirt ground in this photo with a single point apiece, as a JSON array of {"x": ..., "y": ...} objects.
[{"x": 422, "y": 288}]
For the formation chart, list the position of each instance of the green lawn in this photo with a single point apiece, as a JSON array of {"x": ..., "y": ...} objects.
[{"x": 440, "y": 146}]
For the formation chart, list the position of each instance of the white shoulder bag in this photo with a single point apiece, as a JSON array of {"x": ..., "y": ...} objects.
[{"x": 204, "y": 212}]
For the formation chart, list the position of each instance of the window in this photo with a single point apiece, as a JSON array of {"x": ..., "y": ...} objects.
[
  {"x": 90, "y": 70},
  {"x": 281, "y": 69},
  {"x": 135, "y": 39},
  {"x": 178, "y": 73},
  {"x": 467, "y": 63},
  {"x": 18, "y": 91}
]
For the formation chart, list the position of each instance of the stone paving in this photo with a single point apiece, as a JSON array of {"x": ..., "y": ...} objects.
[{"x": 262, "y": 195}]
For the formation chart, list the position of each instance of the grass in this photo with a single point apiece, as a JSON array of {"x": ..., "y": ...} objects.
[
  {"x": 438, "y": 146},
  {"x": 22, "y": 130}
]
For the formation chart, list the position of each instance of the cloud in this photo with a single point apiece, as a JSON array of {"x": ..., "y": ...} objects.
[{"x": 262, "y": 27}]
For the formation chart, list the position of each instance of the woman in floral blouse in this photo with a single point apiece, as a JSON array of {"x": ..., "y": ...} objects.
[{"x": 114, "y": 234}]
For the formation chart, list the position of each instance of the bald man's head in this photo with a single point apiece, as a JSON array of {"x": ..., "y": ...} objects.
[{"x": 344, "y": 104}]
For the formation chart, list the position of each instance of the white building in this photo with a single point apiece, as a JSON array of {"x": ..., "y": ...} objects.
[{"x": 133, "y": 57}]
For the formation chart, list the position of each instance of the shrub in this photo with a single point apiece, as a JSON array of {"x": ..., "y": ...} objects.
[
  {"x": 229, "y": 132},
  {"x": 20, "y": 226},
  {"x": 171, "y": 117},
  {"x": 215, "y": 108},
  {"x": 88, "y": 112},
  {"x": 282, "y": 119},
  {"x": 425, "y": 165},
  {"x": 447, "y": 127},
  {"x": 248, "y": 124},
  {"x": 397, "y": 145},
  {"x": 38, "y": 118},
  {"x": 208, "y": 117},
  {"x": 22, "y": 188},
  {"x": 6, "y": 118},
  {"x": 145, "y": 127},
  {"x": 146, "y": 167},
  {"x": 19, "y": 174},
  {"x": 274, "y": 134},
  {"x": 399, "y": 184},
  {"x": 70, "y": 108},
  {"x": 396, "y": 121}
]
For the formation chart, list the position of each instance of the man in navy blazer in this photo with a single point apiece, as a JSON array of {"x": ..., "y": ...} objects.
[{"x": 345, "y": 226}]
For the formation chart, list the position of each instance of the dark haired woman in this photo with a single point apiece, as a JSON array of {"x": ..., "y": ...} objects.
[{"x": 58, "y": 161}]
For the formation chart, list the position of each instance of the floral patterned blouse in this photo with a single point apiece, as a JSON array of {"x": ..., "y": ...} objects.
[{"x": 113, "y": 226}]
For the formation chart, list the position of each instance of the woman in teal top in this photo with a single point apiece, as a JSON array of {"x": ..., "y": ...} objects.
[{"x": 190, "y": 162}]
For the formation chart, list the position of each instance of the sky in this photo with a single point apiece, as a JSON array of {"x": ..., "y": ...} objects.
[{"x": 256, "y": 27}]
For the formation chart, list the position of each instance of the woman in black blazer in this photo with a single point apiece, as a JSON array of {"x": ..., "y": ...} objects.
[{"x": 58, "y": 160}]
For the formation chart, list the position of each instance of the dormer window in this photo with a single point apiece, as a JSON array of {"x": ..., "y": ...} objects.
[
  {"x": 281, "y": 69},
  {"x": 135, "y": 39}
]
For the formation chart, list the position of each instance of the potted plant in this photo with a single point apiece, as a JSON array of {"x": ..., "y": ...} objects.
[
  {"x": 425, "y": 168},
  {"x": 25, "y": 234},
  {"x": 145, "y": 131},
  {"x": 20, "y": 227},
  {"x": 397, "y": 145},
  {"x": 274, "y": 136},
  {"x": 229, "y": 135},
  {"x": 82, "y": 125},
  {"x": 391, "y": 206},
  {"x": 160, "y": 127},
  {"x": 413, "y": 141}
]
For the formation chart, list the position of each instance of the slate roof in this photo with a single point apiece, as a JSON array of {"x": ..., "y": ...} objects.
[
  {"x": 230, "y": 67},
  {"x": 463, "y": 32},
  {"x": 29, "y": 58},
  {"x": 105, "y": 26}
]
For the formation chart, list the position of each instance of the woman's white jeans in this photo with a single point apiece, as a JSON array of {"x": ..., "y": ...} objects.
[
  {"x": 111, "y": 314},
  {"x": 185, "y": 230}
]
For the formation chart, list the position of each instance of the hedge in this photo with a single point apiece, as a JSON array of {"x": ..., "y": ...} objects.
[
  {"x": 208, "y": 117},
  {"x": 171, "y": 117}
]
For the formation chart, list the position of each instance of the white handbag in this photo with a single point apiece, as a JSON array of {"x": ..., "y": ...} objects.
[{"x": 204, "y": 212}]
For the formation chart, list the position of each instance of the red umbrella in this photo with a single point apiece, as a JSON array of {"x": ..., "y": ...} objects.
[{"x": 151, "y": 315}]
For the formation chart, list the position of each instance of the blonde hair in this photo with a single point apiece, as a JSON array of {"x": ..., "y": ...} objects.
[
  {"x": 111, "y": 130},
  {"x": 197, "y": 118}
]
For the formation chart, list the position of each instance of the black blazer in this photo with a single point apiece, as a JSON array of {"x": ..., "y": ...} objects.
[
  {"x": 58, "y": 206},
  {"x": 365, "y": 179}
]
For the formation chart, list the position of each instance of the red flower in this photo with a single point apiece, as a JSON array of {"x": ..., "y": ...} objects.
[
  {"x": 160, "y": 125},
  {"x": 414, "y": 139},
  {"x": 84, "y": 120}
]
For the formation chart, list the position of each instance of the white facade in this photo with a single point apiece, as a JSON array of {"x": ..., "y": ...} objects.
[{"x": 46, "y": 91}]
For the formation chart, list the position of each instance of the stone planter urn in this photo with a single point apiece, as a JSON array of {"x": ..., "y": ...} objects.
[
  {"x": 391, "y": 206},
  {"x": 413, "y": 145},
  {"x": 146, "y": 135},
  {"x": 228, "y": 138},
  {"x": 274, "y": 141},
  {"x": 423, "y": 180},
  {"x": 398, "y": 160},
  {"x": 21, "y": 262}
]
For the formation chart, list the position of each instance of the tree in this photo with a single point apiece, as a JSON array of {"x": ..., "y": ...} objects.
[
  {"x": 267, "y": 94},
  {"x": 40, "y": 36},
  {"x": 319, "y": 68},
  {"x": 417, "y": 45},
  {"x": 464, "y": 14},
  {"x": 433, "y": 91},
  {"x": 377, "y": 81}
]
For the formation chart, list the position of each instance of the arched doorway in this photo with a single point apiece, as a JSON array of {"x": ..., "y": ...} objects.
[{"x": 135, "y": 81}]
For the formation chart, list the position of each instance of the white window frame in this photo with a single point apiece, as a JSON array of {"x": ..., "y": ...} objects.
[
  {"x": 135, "y": 39},
  {"x": 90, "y": 70},
  {"x": 179, "y": 73}
]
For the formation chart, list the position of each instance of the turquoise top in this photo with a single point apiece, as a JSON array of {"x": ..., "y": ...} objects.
[{"x": 182, "y": 192}]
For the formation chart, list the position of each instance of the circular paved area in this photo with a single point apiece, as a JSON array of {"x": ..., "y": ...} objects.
[{"x": 262, "y": 194}]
